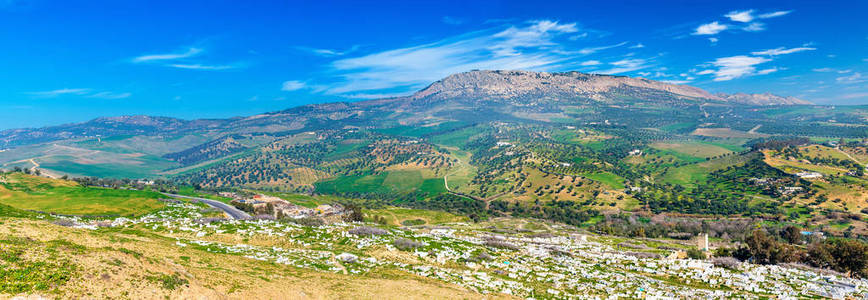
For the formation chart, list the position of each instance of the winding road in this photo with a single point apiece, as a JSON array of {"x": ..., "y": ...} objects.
[{"x": 228, "y": 209}]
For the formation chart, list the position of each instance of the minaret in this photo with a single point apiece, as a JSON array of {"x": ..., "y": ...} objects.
[{"x": 705, "y": 244}]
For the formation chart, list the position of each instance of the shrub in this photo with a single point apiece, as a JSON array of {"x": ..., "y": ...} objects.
[
  {"x": 308, "y": 221},
  {"x": 413, "y": 222},
  {"x": 367, "y": 231},
  {"x": 694, "y": 253},
  {"x": 726, "y": 262},
  {"x": 64, "y": 222},
  {"x": 407, "y": 244},
  {"x": 643, "y": 254},
  {"x": 169, "y": 282},
  {"x": 501, "y": 244}
]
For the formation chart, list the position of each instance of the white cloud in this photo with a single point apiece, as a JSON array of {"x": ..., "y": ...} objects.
[
  {"x": 754, "y": 27},
  {"x": 713, "y": 40},
  {"x": 590, "y": 63},
  {"x": 710, "y": 28},
  {"x": 782, "y": 51},
  {"x": 182, "y": 61},
  {"x": 824, "y": 70},
  {"x": 59, "y": 92},
  {"x": 625, "y": 65},
  {"x": 110, "y": 95},
  {"x": 774, "y": 14},
  {"x": 170, "y": 56},
  {"x": 851, "y": 79},
  {"x": 292, "y": 85},
  {"x": 740, "y": 16},
  {"x": 733, "y": 67},
  {"x": 537, "y": 45},
  {"x": 592, "y": 50},
  {"x": 676, "y": 81},
  {"x": 705, "y": 72},
  {"x": 202, "y": 67},
  {"x": 329, "y": 52},
  {"x": 81, "y": 92},
  {"x": 767, "y": 71},
  {"x": 637, "y": 46}
]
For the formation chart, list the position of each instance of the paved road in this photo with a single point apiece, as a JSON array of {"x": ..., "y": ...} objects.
[{"x": 228, "y": 209}]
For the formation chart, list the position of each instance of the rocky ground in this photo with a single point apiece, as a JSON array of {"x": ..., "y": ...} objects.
[{"x": 179, "y": 253}]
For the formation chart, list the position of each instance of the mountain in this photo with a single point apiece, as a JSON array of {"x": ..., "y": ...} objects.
[
  {"x": 762, "y": 99},
  {"x": 565, "y": 86},
  {"x": 472, "y": 96}
]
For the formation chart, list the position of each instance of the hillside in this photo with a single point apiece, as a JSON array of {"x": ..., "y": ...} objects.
[{"x": 762, "y": 99}]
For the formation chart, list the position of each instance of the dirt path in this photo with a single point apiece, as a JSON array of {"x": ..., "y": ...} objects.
[
  {"x": 337, "y": 263},
  {"x": 754, "y": 129}
]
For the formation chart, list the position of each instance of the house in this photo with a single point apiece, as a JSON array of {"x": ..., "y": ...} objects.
[{"x": 635, "y": 152}]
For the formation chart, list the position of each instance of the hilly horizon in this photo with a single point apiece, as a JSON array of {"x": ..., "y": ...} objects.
[
  {"x": 484, "y": 85},
  {"x": 433, "y": 150}
]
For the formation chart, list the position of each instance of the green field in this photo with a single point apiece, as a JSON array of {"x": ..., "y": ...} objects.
[
  {"x": 609, "y": 179},
  {"x": 396, "y": 181},
  {"x": 698, "y": 172},
  {"x": 696, "y": 149},
  {"x": 398, "y": 216},
  {"x": 63, "y": 197}
]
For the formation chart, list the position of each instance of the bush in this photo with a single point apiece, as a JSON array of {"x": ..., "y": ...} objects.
[
  {"x": 694, "y": 253},
  {"x": 64, "y": 222},
  {"x": 367, "y": 231},
  {"x": 308, "y": 221},
  {"x": 407, "y": 244},
  {"x": 726, "y": 262},
  {"x": 643, "y": 254},
  {"x": 414, "y": 222},
  {"x": 501, "y": 244}
]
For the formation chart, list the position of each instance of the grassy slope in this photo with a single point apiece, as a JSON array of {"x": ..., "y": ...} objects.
[{"x": 63, "y": 197}]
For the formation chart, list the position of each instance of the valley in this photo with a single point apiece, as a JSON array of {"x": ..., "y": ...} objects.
[{"x": 501, "y": 184}]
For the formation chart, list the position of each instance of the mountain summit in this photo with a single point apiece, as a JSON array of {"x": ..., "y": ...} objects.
[
  {"x": 566, "y": 86},
  {"x": 763, "y": 99}
]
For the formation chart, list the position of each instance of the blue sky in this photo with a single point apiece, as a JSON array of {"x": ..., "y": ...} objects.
[{"x": 70, "y": 61}]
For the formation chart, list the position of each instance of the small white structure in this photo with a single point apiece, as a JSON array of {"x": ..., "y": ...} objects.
[
  {"x": 809, "y": 175},
  {"x": 635, "y": 152},
  {"x": 347, "y": 257}
]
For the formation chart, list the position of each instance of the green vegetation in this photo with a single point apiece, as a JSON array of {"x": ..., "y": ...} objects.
[{"x": 28, "y": 192}]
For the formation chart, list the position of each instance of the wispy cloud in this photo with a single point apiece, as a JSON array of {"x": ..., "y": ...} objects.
[
  {"x": 625, "y": 65},
  {"x": 80, "y": 92},
  {"x": 203, "y": 67},
  {"x": 590, "y": 63},
  {"x": 59, "y": 92},
  {"x": 183, "y": 60},
  {"x": 740, "y": 16},
  {"x": 854, "y": 78},
  {"x": 452, "y": 20},
  {"x": 110, "y": 95},
  {"x": 775, "y": 14},
  {"x": 733, "y": 67},
  {"x": 292, "y": 85},
  {"x": 168, "y": 56},
  {"x": 541, "y": 45},
  {"x": 592, "y": 50},
  {"x": 782, "y": 51},
  {"x": 710, "y": 28},
  {"x": 329, "y": 52},
  {"x": 754, "y": 27}
]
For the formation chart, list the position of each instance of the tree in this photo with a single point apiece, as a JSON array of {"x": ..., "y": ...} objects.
[
  {"x": 842, "y": 255},
  {"x": 792, "y": 234},
  {"x": 355, "y": 214}
]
